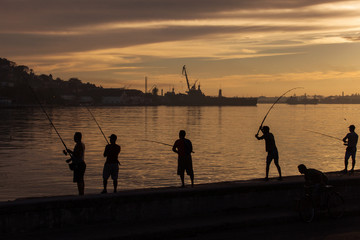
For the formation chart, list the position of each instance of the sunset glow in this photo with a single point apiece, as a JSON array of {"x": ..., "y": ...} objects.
[{"x": 248, "y": 48}]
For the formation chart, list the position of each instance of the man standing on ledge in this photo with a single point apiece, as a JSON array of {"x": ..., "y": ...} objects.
[
  {"x": 271, "y": 150},
  {"x": 78, "y": 162},
  {"x": 183, "y": 147},
  {"x": 350, "y": 140},
  {"x": 111, "y": 166}
]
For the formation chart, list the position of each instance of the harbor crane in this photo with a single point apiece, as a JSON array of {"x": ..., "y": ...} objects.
[{"x": 187, "y": 80}]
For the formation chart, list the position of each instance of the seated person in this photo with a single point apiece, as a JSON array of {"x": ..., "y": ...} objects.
[
  {"x": 312, "y": 176},
  {"x": 315, "y": 180}
]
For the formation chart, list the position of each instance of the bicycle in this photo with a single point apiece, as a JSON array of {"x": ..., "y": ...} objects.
[{"x": 327, "y": 200}]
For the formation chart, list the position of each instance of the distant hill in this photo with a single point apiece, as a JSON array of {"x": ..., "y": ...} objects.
[{"x": 16, "y": 80}]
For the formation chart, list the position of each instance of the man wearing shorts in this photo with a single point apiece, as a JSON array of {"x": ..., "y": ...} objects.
[
  {"x": 350, "y": 140},
  {"x": 111, "y": 166},
  {"x": 77, "y": 160},
  {"x": 271, "y": 149},
  {"x": 183, "y": 147}
]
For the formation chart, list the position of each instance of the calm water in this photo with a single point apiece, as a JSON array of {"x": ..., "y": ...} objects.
[{"x": 32, "y": 163}]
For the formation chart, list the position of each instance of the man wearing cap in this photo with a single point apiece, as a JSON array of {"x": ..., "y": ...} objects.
[
  {"x": 111, "y": 166},
  {"x": 271, "y": 149},
  {"x": 350, "y": 140}
]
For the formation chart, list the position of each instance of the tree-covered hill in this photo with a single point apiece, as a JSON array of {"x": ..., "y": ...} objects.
[{"x": 16, "y": 82}]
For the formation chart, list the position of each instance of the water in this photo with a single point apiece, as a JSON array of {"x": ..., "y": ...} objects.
[{"x": 32, "y": 163}]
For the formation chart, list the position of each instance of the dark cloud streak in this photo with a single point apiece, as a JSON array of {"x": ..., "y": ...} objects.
[
  {"x": 28, "y": 44},
  {"x": 44, "y": 15},
  {"x": 353, "y": 38}
]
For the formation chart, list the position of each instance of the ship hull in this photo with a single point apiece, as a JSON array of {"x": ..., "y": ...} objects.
[{"x": 185, "y": 100}]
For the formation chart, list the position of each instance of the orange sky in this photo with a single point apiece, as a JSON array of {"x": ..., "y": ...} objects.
[{"x": 248, "y": 47}]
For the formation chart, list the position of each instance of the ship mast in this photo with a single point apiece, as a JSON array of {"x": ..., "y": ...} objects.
[{"x": 184, "y": 73}]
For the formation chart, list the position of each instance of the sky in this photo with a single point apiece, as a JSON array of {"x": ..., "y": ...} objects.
[{"x": 245, "y": 47}]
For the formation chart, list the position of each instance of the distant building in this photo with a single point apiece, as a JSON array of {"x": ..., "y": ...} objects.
[
  {"x": 121, "y": 96},
  {"x": 112, "y": 100}
]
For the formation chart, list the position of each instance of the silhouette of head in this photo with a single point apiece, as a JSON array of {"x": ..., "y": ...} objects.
[
  {"x": 302, "y": 168},
  {"x": 77, "y": 137},
  {"x": 113, "y": 138},
  {"x": 265, "y": 129},
  {"x": 352, "y": 128},
  {"x": 182, "y": 134}
]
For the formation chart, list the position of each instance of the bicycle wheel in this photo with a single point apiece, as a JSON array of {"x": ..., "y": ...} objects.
[
  {"x": 335, "y": 205},
  {"x": 306, "y": 210}
]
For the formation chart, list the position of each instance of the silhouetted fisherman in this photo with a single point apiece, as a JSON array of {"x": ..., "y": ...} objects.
[
  {"x": 315, "y": 181},
  {"x": 78, "y": 162},
  {"x": 271, "y": 149},
  {"x": 312, "y": 176},
  {"x": 111, "y": 166},
  {"x": 183, "y": 147},
  {"x": 350, "y": 140}
]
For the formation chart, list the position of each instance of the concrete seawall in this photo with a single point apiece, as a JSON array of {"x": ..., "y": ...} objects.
[{"x": 146, "y": 205}]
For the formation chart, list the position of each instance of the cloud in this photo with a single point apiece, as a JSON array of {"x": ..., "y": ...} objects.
[
  {"x": 53, "y": 27},
  {"x": 127, "y": 39},
  {"x": 26, "y": 15},
  {"x": 353, "y": 38}
]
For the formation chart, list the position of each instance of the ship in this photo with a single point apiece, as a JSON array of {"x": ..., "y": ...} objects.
[
  {"x": 293, "y": 100},
  {"x": 195, "y": 97}
]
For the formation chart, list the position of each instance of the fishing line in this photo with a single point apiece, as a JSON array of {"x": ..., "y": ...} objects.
[{"x": 326, "y": 135}]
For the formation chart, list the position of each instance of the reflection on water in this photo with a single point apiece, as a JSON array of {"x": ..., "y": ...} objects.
[{"x": 32, "y": 163}]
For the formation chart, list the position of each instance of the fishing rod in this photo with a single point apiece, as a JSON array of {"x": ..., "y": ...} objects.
[
  {"x": 99, "y": 128},
  {"x": 277, "y": 100},
  {"x": 324, "y": 134},
  {"x": 160, "y": 143},
  {"x": 157, "y": 142},
  {"x": 47, "y": 115},
  {"x": 97, "y": 125}
]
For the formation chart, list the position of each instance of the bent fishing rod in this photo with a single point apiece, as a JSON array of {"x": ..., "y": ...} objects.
[
  {"x": 48, "y": 117},
  {"x": 277, "y": 100},
  {"x": 97, "y": 124}
]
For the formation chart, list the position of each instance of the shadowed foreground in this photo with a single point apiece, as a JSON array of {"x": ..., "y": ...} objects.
[{"x": 248, "y": 209}]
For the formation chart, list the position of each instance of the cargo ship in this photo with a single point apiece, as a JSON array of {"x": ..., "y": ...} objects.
[{"x": 195, "y": 97}]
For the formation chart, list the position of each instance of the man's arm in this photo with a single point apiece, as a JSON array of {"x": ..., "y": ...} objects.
[
  {"x": 259, "y": 138},
  {"x": 69, "y": 151},
  {"x": 174, "y": 148},
  {"x": 119, "y": 150},
  {"x": 74, "y": 154},
  {"x": 307, "y": 180},
  {"x": 105, "y": 151},
  {"x": 191, "y": 147},
  {"x": 188, "y": 146}
]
